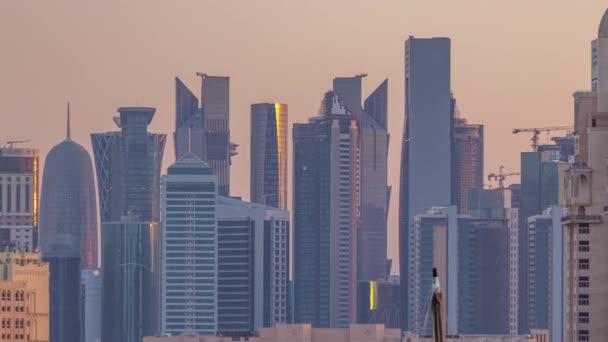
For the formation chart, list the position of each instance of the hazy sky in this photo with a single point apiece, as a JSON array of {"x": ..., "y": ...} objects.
[{"x": 514, "y": 63}]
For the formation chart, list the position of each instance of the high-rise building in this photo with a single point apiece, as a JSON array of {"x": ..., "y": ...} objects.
[
  {"x": 269, "y": 154},
  {"x": 326, "y": 201},
  {"x": 467, "y": 158},
  {"x": 131, "y": 279},
  {"x": 189, "y": 248},
  {"x": 426, "y": 145},
  {"x": 19, "y": 199},
  {"x": 373, "y": 155},
  {"x": 205, "y": 131},
  {"x": 24, "y": 288},
  {"x": 378, "y": 303},
  {"x": 253, "y": 266},
  {"x": 128, "y": 177},
  {"x": 68, "y": 239},
  {"x": 540, "y": 187},
  {"x": 586, "y": 200},
  {"x": 545, "y": 254}
]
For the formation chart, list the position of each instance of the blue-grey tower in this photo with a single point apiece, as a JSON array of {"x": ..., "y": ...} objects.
[
  {"x": 128, "y": 166},
  {"x": 426, "y": 146},
  {"x": 68, "y": 232}
]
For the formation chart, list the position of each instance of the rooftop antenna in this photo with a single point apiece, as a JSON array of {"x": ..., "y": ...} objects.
[{"x": 69, "y": 137}]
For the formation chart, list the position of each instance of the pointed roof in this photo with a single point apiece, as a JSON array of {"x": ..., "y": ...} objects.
[{"x": 603, "y": 29}]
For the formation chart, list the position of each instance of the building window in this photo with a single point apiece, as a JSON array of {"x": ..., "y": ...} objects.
[
  {"x": 583, "y": 228},
  {"x": 583, "y": 281},
  {"x": 583, "y": 246},
  {"x": 583, "y": 264},
  {"x": 583, "y": 299},
  {"x": 583, "y": 335},
  {"x": 583, "y": 317}
]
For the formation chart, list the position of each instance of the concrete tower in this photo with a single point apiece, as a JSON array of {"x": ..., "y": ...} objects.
[
  {"x": 68, "y": 238},
  {"x": 585, "y": 190}
]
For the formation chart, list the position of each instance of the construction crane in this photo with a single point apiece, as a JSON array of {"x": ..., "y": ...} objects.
[
  {"x": 12, "y": 144},
  {"x": 437, "y": 308},
  {"x": 501, "y": 176},
  {"x": 536, "y": 132}
]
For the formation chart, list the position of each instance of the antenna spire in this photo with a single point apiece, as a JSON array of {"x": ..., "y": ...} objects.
[{"x": 68, "y": 124}]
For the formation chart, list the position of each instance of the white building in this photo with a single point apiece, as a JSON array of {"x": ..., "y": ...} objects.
[{"x": 189, "y": 248}]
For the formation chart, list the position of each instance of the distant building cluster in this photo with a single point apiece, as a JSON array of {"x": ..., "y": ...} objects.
[{"x": 176, "y": 257}]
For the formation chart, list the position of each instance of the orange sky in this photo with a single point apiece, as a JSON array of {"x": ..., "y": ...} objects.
[{"x": 514, "y": 63}]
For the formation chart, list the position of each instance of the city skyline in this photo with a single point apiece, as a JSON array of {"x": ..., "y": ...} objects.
[{"x": 85, "y": 80}]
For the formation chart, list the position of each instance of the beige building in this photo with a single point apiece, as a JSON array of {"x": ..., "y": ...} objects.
[
  {"x": 24, "y": 297},
  {"x": 305, "y": 333},
  {"x": 585, "y": 193}
]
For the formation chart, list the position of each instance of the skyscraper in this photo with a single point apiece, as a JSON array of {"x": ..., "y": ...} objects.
[
  {"x": 373, "y": 156},
  {"x": 19, "y": 199},
  {"x": 128, "y": 177},
  {"x": 68, "y": 236},
  {"x": 189, "y": 248},
  {"x": 585, "y": 198},
  {"x": 253, "y": 279},
  {"x": 205, "y": 131},
  {"x": 467, "y": 158},
  {"x": 269, "y": 154},
  {"x": 426, "y": 145},
  {"x": 326, "y": 198}
]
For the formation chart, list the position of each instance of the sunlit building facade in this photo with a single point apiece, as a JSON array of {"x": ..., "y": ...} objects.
[
  {"x": 19, "y": 198},
  {"x": 269, "y": 154}
]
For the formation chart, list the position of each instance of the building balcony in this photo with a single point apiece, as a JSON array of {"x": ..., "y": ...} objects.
[{"x": 581, "y": 219}]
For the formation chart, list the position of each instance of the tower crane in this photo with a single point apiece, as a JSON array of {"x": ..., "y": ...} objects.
[
  {"x": 536, "y": 132},
  {"x": 437, "y": 307},
  {"x": 501, "y": 176},
  {"x": 11, "y": 144}
]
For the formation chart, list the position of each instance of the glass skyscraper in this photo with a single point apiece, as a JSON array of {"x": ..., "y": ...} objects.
[
  {"x": 426, "y": 146},
  {"x": 68, "y": 236},
  {"x": 269, "y": 154},
  {"x": 128, "y": 166}
]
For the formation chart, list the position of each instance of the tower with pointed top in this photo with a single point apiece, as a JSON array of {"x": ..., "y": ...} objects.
[{"x": 68, "y": 238}]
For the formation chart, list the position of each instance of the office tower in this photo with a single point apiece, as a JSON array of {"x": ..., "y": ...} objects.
[
  {"x": 189, "y": 248},
  {"x": 373, "y": 155},
  {"x": 540, "y": 187},
  {"x": 130, "y": 280},
  {"x": 426, "y": 145},
  {"x": 91, "y": 304},
  {"x": 326, "y": 198},
  {"x": 378, "y": 303},
  {"x": 467, "y": 158},
  {"x": 434, "y": 243},
  {"x": 269, "y": 154},
  {"x": 545, "y": 255},
  {"x": 205, "y": 131},
  {"x": 68, "y": 238},
  {"x": 562, "y": 150},
  {"x": 585, "y": 198},
  {"x": 515, "y": 195},
  {"x": 19, "y": 199},
  {"x": 253, "y": 266},
  {"x": 24, "y": 284},
  {"x": 128, "y": 166}
]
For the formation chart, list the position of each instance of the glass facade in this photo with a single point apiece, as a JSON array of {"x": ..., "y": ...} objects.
[
  {"x": 269, "y": 154},
  {"x": 131, "y": 271}
]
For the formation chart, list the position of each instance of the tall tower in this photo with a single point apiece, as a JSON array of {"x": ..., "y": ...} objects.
[
  {"x": 269, "y": 154},
  {"x": 373, "y": 156},
  {"x": 586, "y": 200},
  {"x": 426, "y": 146},
  {"x": 128, "y": 166},
  {"x": 205, "y": 130},
  {"x": 326, "y": 201},
  {"x": 68, "y": 224}
]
